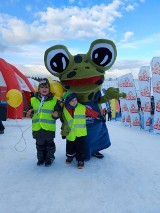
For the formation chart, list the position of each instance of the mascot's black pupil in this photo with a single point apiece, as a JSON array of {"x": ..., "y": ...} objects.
[
  {"x": 102, "y": 56},
  {"x": 59, "y": 62}
]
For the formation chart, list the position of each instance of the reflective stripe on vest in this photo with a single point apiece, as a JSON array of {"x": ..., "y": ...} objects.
[
  {"x": 43, "y": 119},
  {"x": 78, "y": 123}
]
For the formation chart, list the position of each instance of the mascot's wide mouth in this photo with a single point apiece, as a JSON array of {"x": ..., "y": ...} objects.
[{"x": 82, "y": 81}]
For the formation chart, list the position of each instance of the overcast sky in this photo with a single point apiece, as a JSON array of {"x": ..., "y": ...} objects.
[{"x": 29, "y": 27}]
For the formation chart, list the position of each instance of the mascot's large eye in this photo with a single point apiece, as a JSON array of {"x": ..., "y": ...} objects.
[
  {"x": 102, "y": 54},
  {"x": 56, "y": 60}
]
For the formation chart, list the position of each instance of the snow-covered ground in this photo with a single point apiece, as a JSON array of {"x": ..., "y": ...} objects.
[{"x": 126, "y": 180}]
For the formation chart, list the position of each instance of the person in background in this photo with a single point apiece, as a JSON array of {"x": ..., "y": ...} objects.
[
  {"x": 1, "y": 128},
  {"x": 44, "y": 110},
  {"x": 141, "y": 114},
  {"x": 74, "y": 128},
  {"x": 109, "y": 115},
  {"x": 3, "y": 114}
]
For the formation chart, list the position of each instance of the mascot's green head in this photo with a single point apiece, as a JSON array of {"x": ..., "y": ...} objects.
[{"x": 83, "y": 72}]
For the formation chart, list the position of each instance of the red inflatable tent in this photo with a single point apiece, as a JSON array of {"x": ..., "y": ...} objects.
[{"x": 12, "y": 78}]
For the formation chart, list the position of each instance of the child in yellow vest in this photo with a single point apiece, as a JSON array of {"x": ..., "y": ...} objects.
[
  {"x": 74, "y": 127},
  {"x": 44, "y": 110}
]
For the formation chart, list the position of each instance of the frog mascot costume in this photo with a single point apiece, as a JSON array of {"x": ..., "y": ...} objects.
[{"x": 84, "y": 75}]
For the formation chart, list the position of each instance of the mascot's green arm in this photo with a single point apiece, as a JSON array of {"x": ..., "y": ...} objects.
[{"x": 111, "y": 93}]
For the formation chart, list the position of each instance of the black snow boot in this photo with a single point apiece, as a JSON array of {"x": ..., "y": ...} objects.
[
  {"x": 69, "y": 160},
  {"x": 98, "y": 155},
  {"x": 49, "y": 162},
  {"x": 80, "y": 164},
  {"x": 40, "y": 154},
  {"x": 50, "y": 150}
]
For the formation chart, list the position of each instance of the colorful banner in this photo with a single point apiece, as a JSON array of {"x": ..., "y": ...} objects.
[
  {"x": 125, "y": 112},
  {"x": 129, "y": 106},
  {"x": 155, "y": 69},
  {"x": 144, "y": 80}
]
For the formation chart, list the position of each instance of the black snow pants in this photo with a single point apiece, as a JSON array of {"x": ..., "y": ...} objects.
[{"x": 45, "y": 145}]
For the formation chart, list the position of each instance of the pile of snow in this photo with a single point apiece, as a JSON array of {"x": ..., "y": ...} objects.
[{"x": 127, "y": 179}]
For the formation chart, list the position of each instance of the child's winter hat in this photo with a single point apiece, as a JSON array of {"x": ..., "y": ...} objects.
[
  {"x": 68, "y": 96},
  {"x": 44, "y": 82}
]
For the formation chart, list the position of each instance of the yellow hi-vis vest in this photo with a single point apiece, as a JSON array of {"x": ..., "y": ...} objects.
[
  {"x": 77, "y": 123},
  {"x": 43, "y": 119}
]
